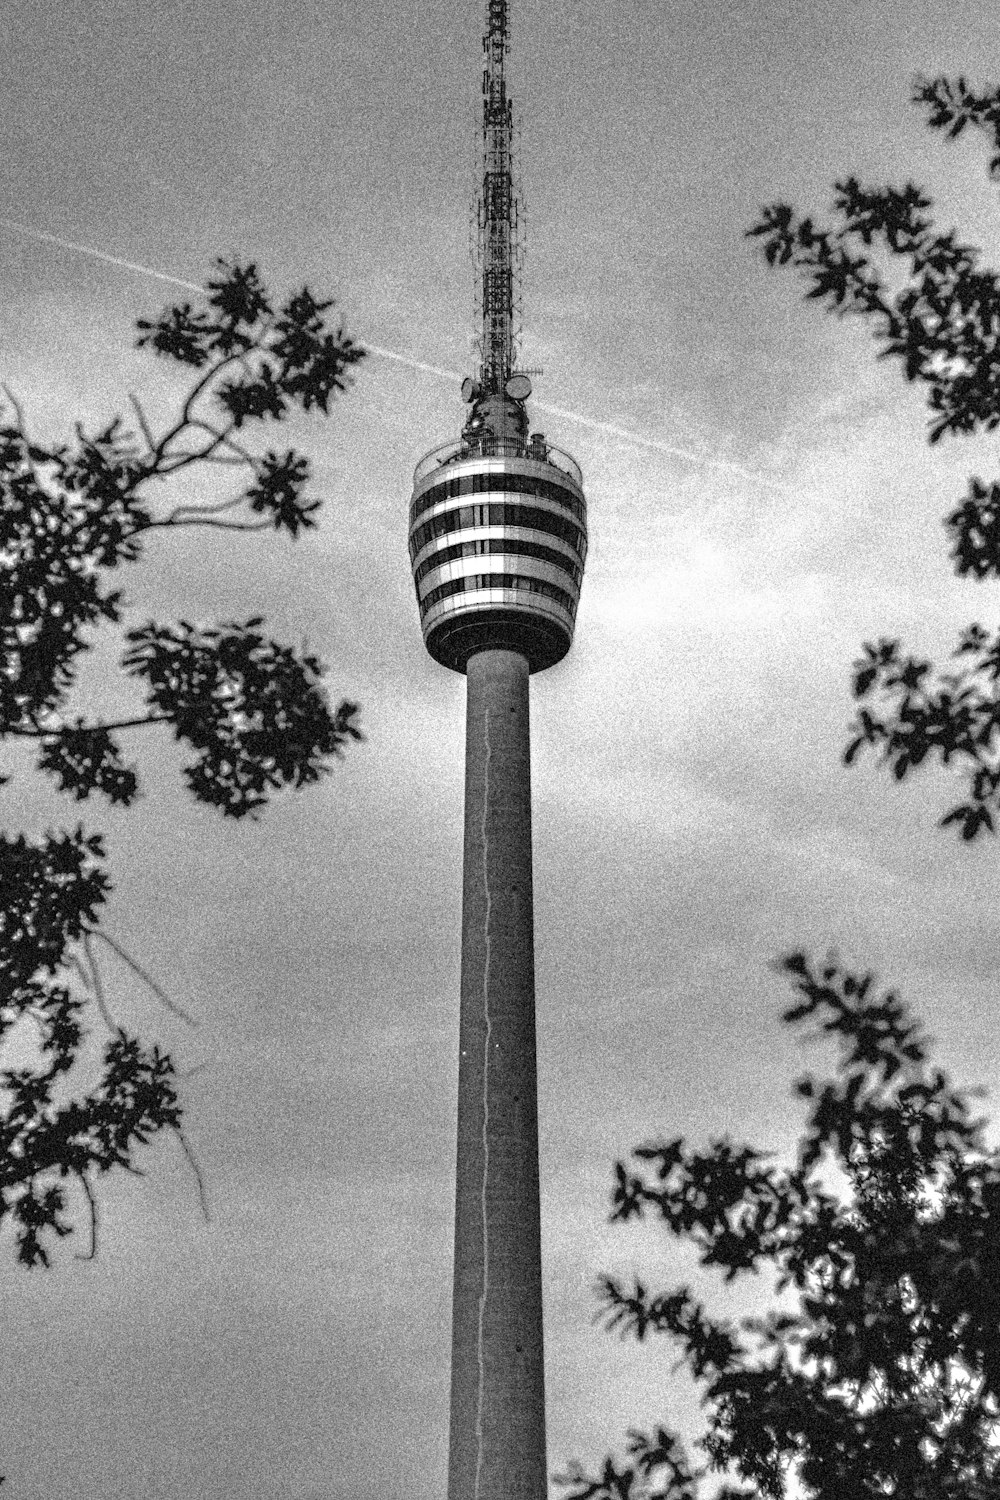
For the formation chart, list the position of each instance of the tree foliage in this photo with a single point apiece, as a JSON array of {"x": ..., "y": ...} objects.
[
  {"x": 877, "y": 1370},
  {"x": 252, "y": 711},
  {"x": 942, "y": 325}
]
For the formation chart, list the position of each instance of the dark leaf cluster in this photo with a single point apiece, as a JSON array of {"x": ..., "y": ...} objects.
[
  {"x": 911, "y": 714},
  {"x": 53, "y": 891},
  {"x": 60, "y": 532},
  {"x": 70, "y": 514},
  {"x": 943, "y": 326},
  {"x": 254, "y": 710},
  {"x": 974, "y": 525},
  {"x": 877, "y": 1372},
  {"x": 181, "y": 334},
  {"x": 274, "y": 360},
  {"x": 951, "y": 105},
  {"x": 277, "y": 492},
  {"x": 655, "y": 1469},
  {"x": 84, "y": 758}
]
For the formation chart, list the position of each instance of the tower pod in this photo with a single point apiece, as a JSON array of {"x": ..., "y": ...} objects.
[{"x": 498, "y": 541}]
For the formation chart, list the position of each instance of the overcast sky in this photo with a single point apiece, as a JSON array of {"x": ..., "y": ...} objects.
[{"x": 768, "y": 503}]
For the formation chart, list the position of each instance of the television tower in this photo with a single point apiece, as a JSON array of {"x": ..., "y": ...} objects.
[{"x": 498, "y": 540}]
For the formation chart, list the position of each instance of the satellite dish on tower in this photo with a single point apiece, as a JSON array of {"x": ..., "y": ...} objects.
[
  {"x": 470, "y": 389},
  {"x": 518, "y": 387}
]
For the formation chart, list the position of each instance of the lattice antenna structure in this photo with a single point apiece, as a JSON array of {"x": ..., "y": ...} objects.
[{"x": 499, "y": 219}]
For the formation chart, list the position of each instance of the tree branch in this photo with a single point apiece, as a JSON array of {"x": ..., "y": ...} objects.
[
  {"x": 23, "y": 430},
  {"x": 95, "y": 986},
  {"x": 204, "y": 510},
  {"x": 197, "y": 389},
  {"x": 143, "y": 424},
  {"x": 136, "y": 967},
  {"x": 206, "y": 454},
  {"x": 38, "y": 733},
  {"x": 202, "y": 456},
  {"x": 93, "y": 1218},
  {"x": 193, "y": 1164},
  {"x": 207, "y": 521}
]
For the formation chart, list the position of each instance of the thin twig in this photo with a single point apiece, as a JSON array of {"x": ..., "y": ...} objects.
[
  {"x": 19, "y": 414},
  {"x": 191, "y": 455},
  {"x": 185, "y": 457},
  {"x": 198, "y": 423},
  {"x": 198, "y": 389},
  {"x": 220, "y": 525},
  {"x": 137, "y": 968},
  {"x": 205, "y": 510},
  {"x": 75, "y": 963},
  {"x": 166, "y": 463},
  {"x": 96, "y": 988},
  {"x": 146, "y": 432},
  {"x": 23, "y": 430},
  {"x": 40, "y": 733},
  {"x": 227, "y": 440},
  {"x": 93, "y": 1218},
  {"x": 191, "y": 1072},
  {"x": 193, "y": 1163}
]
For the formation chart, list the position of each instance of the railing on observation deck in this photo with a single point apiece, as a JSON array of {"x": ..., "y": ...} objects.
[{"x": 489, "y": 446}]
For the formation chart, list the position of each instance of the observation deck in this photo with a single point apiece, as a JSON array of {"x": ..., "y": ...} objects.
[{"x": 498, "y": 542}]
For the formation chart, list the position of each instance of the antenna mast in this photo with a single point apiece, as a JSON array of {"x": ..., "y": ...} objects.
[{"x": 497, "y": 211}]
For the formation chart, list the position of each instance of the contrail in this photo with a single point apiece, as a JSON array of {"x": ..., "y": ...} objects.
[
  {"x": 414, "y": 364},
  {"x": 112, "y": 260},
  {"x": 192, "y": 286},
  {"x": 609, "y": 429}
]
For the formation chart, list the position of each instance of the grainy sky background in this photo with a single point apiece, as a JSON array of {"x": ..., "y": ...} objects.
[{"x": 777, "y": 505}]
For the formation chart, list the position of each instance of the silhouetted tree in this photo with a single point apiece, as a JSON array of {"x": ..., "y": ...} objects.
[
  {"x": 252, "y": 711},
  {"x": 943, "y": 325},
  {"x": 876, "y": 1371}
]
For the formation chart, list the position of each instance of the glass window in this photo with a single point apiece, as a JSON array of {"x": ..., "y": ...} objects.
[
  {"x": 491, "y": 483},
  {"x": 499, "y": 514},
  {"x": 513, "y": 581},
  {"x": 497, "y": 547}
]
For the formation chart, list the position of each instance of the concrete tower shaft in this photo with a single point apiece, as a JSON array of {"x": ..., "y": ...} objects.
[{"x": 497, "y": 1435}]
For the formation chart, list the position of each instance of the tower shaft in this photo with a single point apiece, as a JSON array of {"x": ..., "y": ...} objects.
[
  {"x": 497, "y": 210},
  {"x": 497, "y": 1436}
]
